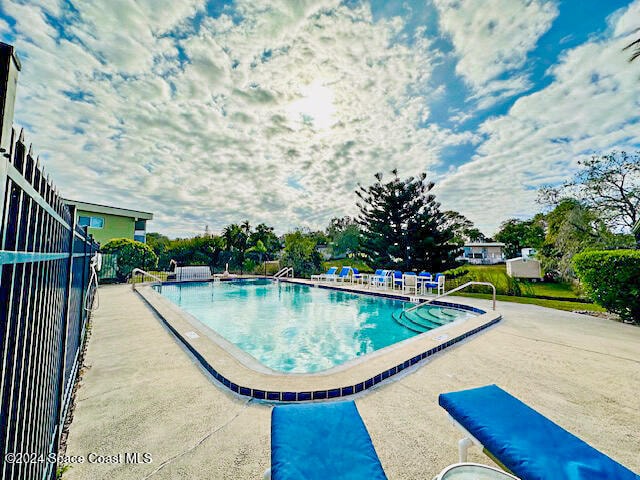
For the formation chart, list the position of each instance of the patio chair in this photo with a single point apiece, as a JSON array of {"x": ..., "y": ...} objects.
[
  {"x": 356, "y": 276},
  {"x": 318, "y": 441},
  {"x": 423, "y": 277},
  {"x": 523, "y": 441},
  {"x": 410, "y": 282},
  {"x": 397, "y": 279},
  {"x": 323, "y": 276},
  {"x": 437, "y": 283},
  {"x": 345, "y": 274},
  {"x": 378, "y": 279}
]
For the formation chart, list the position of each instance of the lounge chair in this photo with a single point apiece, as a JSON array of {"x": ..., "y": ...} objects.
[
  {"x": 320, "y": 441},
  {"x": 193, "y": 273},
  {"x": 345, "y": 274},
  {"x": 523, "y": 441},
  {"x": 437, "y": 283},
  {"x": 410, "y": 282},
  {"x": 323, "y": 276},
  {"x": 378, "y": 279}
]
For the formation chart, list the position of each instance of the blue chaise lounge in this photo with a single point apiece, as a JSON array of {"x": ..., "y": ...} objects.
[
  {"x": 320, "y": 441},
  {"x": 523, "y": 441}
]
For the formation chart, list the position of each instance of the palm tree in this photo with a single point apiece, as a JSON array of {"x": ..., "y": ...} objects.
[
  {"x": 259, "y": 250},
  {"x": 235, "y": 239},
  {"x": 635, "y": 46}
]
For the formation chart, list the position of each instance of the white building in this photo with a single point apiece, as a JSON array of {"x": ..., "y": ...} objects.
[{"x": 483, "y": 253}]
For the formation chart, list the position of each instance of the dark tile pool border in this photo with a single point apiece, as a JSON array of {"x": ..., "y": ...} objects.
[{"x": 338, "y": 392}]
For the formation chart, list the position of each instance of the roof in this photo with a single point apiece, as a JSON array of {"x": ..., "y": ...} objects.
[
  {"x": 106, "y": 209},
  {"x": 523, "y": 260},
  {"x": 636, "y": 227},
  {"x": 484, "y": 244}
]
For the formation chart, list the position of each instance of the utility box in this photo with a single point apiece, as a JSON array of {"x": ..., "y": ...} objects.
[
  {"x": 9, "y": 69},
  {"x": 524, "y": 268}
]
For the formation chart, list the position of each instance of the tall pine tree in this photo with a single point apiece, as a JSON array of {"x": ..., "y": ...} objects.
[{"x": 403, "y": 227}]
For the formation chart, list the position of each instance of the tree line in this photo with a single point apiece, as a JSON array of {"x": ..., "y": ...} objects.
[{"x": 400, "y": 225}]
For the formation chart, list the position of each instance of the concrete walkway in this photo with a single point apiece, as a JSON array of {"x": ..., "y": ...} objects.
[{"x": 142, "y": 393}]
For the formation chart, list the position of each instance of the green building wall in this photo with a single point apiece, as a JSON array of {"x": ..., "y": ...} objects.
[{"x": 114, "y": 226}]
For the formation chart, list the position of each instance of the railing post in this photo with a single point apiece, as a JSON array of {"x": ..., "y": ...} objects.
[
  {"x": 83, "y": 312},
  {"x": 64, "y": 334}
]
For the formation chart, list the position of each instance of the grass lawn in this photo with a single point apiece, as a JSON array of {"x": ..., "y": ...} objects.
[
  {"x": 558, "y": 304},
  {"x": 497, "y": 274},
  {"x": 562, "y": 290},
  {"x": 348, "y": 262}
]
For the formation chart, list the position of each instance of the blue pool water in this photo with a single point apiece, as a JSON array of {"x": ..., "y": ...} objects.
[{"x": 296, "y": 328}]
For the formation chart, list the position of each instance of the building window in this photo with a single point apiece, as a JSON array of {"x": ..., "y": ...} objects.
[
  {"x": 140, "y": 238},
  {"x": 93, "y": 222},
  {"x": 141, "y": 225}
]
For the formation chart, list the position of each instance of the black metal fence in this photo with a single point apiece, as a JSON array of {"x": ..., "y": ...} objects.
[{"x": 45, "y": 299}]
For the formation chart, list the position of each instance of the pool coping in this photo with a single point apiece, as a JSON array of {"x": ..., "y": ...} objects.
[{"x": 245, "y": 376}]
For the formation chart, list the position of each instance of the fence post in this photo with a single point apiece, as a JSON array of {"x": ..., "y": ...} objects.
[
  {"x": 64, "y": 337},
  {"x": 83, "y": 312}
]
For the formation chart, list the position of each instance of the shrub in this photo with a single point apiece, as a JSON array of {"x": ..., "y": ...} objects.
[
  {"x": 612, "y": 280},
  {"x": 131, "y": 254},
  {"x": 301, "y": 254}
]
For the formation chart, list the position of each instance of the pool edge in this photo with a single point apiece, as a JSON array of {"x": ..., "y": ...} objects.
[{"x": 239, "y": 378}]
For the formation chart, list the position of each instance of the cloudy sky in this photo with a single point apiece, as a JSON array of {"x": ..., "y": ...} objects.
[{"x": 210, "y": 112}]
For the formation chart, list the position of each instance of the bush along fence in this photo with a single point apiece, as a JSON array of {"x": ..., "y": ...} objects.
[{"x": 46, "y": 293}]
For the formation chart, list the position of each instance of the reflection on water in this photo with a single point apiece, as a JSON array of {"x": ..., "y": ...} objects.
[{"x": 289, "y": 327}]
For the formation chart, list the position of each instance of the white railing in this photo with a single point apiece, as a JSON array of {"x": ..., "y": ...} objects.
[
  {"x": 145, "y": 277},
  {"x": 284, "y": 271},
  {"x": 457, "y": 289}
]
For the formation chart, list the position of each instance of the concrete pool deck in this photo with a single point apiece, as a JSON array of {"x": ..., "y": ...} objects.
[{"x": 141, "y": 392}]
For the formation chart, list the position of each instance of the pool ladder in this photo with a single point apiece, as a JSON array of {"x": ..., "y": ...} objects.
[{"x": 284, "y": 272}]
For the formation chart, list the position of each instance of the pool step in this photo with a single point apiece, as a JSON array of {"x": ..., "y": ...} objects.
[
  {"x": 425, "y": 314},
  {"x": 423, "y": 319},
  {"x": 441, "y": 315},
  {"x": 400, "y": 317}
]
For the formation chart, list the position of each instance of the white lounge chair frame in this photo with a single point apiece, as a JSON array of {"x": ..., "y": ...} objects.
[
  {"x": 468, "y": 441},
  {"x": 465, "y": 442},
  {"x": 322, "y": 276}
]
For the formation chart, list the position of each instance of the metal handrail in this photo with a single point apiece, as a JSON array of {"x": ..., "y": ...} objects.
[
  {"x": 275, "y": 275},
  {"x": 457, "y": 289},
  {"x": 144, "y": 273},
  {"x": 284, "y": 271}
]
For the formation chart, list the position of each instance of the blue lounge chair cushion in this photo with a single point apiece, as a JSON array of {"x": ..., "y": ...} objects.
[
  {"x": 322, "y": 441},
  {"x": 344, "y": 272},
  {"x": 526, "y": 442}
]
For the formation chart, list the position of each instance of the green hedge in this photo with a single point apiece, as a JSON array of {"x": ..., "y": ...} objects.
[
  {"x": 612, "y": 280},
  {"x": 131, "y": 254}
]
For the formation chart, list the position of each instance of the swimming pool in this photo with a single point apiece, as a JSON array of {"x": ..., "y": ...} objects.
[{"x": 295, "y": 328}]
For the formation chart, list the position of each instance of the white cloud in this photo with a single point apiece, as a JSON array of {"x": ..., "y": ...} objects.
[
  {"x": 276, "y": 113},
  {"x": 493, "y": 37},
  {"x": 274, "y": 117},
  {"x": 591, "y": 106}
]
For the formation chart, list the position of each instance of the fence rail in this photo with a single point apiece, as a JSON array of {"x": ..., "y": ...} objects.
[{"x": 45, "y": 266}]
